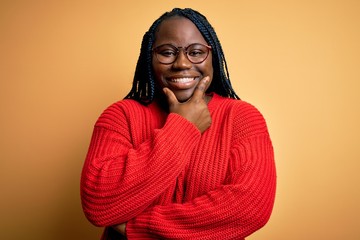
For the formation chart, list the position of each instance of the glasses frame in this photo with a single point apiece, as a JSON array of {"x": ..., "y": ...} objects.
[{"x": 184, "y": 49}]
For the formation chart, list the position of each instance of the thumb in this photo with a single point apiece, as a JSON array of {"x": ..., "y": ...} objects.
[{"x": 170, "y": 96}]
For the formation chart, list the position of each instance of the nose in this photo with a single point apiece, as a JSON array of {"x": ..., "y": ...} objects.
[{"x": 182, "y": 62}]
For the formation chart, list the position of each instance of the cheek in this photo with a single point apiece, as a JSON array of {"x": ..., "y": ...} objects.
[
  {"x": 158, "y": 71},
  {"x": 209, "y": 70}
]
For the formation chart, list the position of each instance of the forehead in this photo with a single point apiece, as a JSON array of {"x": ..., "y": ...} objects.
[{"x": 179, "y": 31}]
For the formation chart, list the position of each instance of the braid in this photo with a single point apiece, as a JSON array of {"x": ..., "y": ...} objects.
[{"x": 143, "y": 88}]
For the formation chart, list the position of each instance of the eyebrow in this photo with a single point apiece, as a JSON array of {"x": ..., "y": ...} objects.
[{"x": 174, "y": 45}]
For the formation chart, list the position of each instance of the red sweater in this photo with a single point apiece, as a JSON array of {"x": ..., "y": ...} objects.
[{"x": 158, "y": 173}]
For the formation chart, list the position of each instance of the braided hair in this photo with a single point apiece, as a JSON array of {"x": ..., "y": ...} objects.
[{"x": 143, "y": 89}]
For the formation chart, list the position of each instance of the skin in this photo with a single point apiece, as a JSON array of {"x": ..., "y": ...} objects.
[
  {"x": 180, "y": 32},
  {"x": 189, "y": 99}
]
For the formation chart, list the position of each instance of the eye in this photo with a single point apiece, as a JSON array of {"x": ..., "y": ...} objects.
[
  {"x": 167, "y": 52},
  {"x": 196, "y": 52}
]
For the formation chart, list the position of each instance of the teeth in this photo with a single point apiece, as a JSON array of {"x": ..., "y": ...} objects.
[{"x": 182, "y": 80}]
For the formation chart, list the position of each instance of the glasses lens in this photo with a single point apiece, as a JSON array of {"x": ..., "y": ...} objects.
[
  {"x": 166, "y": 53},
  {"x": 197, "y": 53}
]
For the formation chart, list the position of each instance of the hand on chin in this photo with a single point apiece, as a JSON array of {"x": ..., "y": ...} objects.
[{"x": 183, "y": 96}]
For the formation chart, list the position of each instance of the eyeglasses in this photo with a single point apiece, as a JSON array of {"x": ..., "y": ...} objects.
[{"x": 196, "y": 53}]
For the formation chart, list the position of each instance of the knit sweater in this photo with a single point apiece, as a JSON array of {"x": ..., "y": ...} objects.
[{"x": 159, "y": 174}]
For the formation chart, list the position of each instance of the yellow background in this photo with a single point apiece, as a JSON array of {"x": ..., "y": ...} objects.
[{"x": 63, "y": 62}]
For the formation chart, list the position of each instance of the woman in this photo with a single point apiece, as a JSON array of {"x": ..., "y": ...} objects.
[{"x": 181, "y": 157}]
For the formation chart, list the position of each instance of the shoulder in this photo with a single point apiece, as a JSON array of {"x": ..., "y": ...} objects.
[
  {"x": 249, "y": 121},
  {"x": 246, "y": 119},
  {"x": 240, "y": 108},
  {"x": 119, "y": 112}
]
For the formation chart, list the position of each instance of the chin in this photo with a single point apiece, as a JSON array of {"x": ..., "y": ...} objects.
[{"x": 183, "y": 98}]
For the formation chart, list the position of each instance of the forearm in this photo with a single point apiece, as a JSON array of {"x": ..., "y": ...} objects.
[
  {"x": 232, "y": 211},
  {"x": 219, "y": 215},
  {"x": 119, "y": 182}
]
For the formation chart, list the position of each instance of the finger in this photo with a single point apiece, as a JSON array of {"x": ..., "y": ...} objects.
[
  {"x": 170, "y": 96},
  {"x": 201, "y": 87}
]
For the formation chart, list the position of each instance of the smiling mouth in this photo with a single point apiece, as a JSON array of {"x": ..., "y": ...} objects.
[{"x": 182, "y": 80}]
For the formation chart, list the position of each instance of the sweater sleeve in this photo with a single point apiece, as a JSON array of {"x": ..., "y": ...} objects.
[
  {"x": 115, "y": 173},
  {"x": 234, "y": 210}
]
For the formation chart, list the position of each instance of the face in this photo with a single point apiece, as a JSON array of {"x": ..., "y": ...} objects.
[{"x": 181, "y": 76}]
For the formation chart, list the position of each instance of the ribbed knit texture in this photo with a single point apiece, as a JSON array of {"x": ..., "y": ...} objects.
[{"x": 156, "y": 172}]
